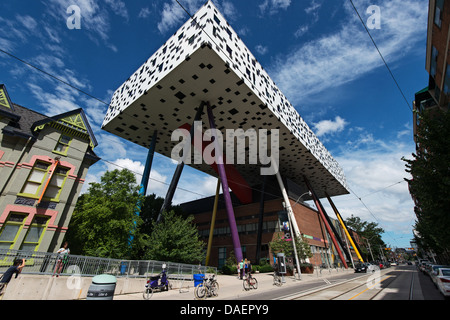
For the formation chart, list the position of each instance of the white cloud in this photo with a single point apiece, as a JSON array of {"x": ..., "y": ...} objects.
[
  {"x": 273, "y": 6},
  {"x": 119, "y": 8},
  {"x": 144, "y": 13},
  {"x": 173, "y": 14},
  {"x": 375, "y": 173},
  {"x": 262, "y": 50},
  {"x": 347, "y": 53},
  {"x": 94, "y": 17},
  {"x": 301, "y": 31},
  {"x": 313, "y": 8},
  {"x": 325, "y": 127}
]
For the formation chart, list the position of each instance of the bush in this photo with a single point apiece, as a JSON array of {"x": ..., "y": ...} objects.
[
  {"x": 265, "y": 268},
  {"x": 229, "y": 270}
]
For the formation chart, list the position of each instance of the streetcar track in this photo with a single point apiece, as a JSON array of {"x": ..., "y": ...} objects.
[{"x": 392, "y": 276}]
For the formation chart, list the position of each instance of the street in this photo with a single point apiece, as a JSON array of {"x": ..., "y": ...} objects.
[{"x": 396, "y": 283}]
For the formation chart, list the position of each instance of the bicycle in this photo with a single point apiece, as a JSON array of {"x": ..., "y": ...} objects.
[
  {"x": 277, "y": 280},
  {"x": 209, "y": 287},
  {"x": 250, "y": 282}
]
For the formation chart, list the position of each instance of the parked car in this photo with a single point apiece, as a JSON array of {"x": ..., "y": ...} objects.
[
  {"x": 443, "y": 281},
  {"x": 433, "y": 271},
  {"x": 423, "y": 264},
  {"x": 361, "y": 267},
  {"x": 365, "y": 267}
]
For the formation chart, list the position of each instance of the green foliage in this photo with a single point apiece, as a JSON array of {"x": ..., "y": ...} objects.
[
  {"x": 105, "y": 216},
  {"x": 265, "y": 268},
  {"x": 281, "y": 245},
  {"x": 430, "y": 183},
  {"x": 175, "y": 239},
  {"x": 369, "y": 230},
  {"x": 230, "y": 266}
]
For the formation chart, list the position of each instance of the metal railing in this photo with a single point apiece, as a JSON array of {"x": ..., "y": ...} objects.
[{"x": 45, "y": 263}]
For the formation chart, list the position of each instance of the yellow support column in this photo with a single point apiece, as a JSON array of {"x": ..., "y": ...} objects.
[
  {"x": 213, "y": 221},
  {"x": 345, "y": 228}
]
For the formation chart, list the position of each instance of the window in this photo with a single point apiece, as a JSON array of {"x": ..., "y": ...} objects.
[
  {"x": 434, "y": 56},
  {"x": 438, "y": 12},
  {"x": 447, "y": 80},
  {"x": 35, "y": 233},
  {"x": 36, "y": 178},
  {"x": 11, "y": 229},
  {"x": 222, "y": 257},
  {"x": 56, "y": 183},
  {"x": 63, "y": 145}
]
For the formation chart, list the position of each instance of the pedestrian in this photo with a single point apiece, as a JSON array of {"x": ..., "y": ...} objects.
[
  {"x": 241, "y": 269},
  {"x": 249, "y": 267},
  {"x": 7, "y": 276},
  {"x": 61, "y": 259},
  {"x": 246, "y": 266}
]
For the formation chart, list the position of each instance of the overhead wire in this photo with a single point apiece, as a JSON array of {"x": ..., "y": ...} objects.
[
  {"x": 180, "y": 188},
  {"x": 381, "y": 55}
]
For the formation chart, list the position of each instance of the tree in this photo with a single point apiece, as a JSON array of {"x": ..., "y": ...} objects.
[
  {"x": 175, "y": 239},
  {"x": 150, "y": 209},
  {"x": 282, "y": 245},
  {"x": 368, "y": 230},
  {"x": 430, "y": 183},
  {"x": 105, "y": 217}
]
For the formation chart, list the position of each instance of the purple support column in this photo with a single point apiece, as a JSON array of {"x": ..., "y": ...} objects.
[{"x": 226, "y": 192}]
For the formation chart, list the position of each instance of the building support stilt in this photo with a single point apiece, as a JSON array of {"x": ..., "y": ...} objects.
[
  {"x": 322, "y": 213},
  {"x": 145, "y": 177},
  {"x": 213, "y": 223},
  {"x": 260, "y": 221},
  {"x": 344, "y": 226},
  {"x": 225, "y": 188},
  {"x": 293, "y": 227},
  {"x": 176, "y": 176}
]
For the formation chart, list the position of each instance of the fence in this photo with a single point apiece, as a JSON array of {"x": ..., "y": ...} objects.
[{"x": 44, "y": 263}]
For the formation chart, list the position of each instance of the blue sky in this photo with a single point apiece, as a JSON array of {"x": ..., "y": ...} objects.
[{"x": 317, "y": 52}]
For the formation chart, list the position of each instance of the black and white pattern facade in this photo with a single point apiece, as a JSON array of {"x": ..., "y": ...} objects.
[{"x": 205, "y": 60}]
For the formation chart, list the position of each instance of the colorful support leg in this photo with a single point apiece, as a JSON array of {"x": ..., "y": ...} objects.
[
  {"x": 327, "y": 226},
  {"x": 226, "y": 192}
]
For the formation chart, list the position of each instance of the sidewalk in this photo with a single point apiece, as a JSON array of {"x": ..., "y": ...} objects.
[{"x": 230, "y": 287}]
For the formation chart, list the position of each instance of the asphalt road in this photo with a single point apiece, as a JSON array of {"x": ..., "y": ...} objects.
[{"x": 395, "y": 283}]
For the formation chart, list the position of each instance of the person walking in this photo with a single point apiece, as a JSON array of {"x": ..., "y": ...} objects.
[
  {"x": 61, "y": 259},
  {"x": 16, "y": 268},
  {"x": 241, "y": 269}
]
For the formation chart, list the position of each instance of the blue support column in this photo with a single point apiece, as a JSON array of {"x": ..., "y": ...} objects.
[
  {"x": 176, "y": 176},
  {"x": 145, "y": 177}
]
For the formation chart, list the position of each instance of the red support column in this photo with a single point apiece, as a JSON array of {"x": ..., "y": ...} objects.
[{"x": 327, "y": 226}]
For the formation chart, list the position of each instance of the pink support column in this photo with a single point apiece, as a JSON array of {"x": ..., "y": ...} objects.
[{"x": 226, "y": 192}]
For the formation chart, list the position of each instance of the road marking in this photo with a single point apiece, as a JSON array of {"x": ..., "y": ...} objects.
[
  {"x": 369, "y": 288},
  {"x": 326, "y": 281}
]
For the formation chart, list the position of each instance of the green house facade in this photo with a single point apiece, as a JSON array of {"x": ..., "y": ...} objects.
[{"x": 43, "y": 165}]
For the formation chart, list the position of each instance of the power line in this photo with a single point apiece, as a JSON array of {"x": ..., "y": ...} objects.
[
  {"x": 359, "y": 198},
  {"x": 52, "y": 76},
  {"x": 381, "y": 55}
]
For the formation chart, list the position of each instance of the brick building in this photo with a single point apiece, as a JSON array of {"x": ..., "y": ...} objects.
[
  {"x": 43, "y": 164},
  {"x": 274, "y": 215},
  {"x": 437, "y": 94}
]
